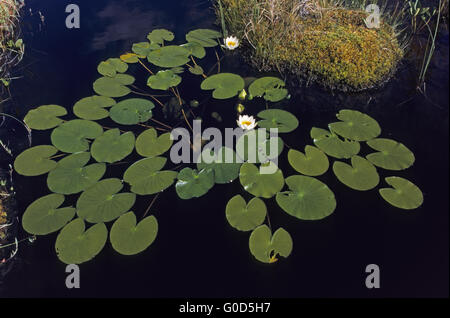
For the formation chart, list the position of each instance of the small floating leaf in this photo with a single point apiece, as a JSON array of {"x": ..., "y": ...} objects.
[
  {"x": 266, "y": 247},
  {"x": 225, "y": 85},
  {"x": 169, "y": 56},
  {"x": 112, "y": 86},
  {"x": 35, "y": 161},
  {"x": 112, "y": 146},
  {"x": 132, "y": 111},
  {"x": 334, "y": 146},
  {"x": 72, "y": 136},
  {"x": 355, "y": 125},
  {"x": 148, "y": 144},
  {"x": 283, "y": 120},
  {"x": 45, "y": 117},
  {"x": 93, "y": 108},
  {"x": 160, "y": 35},
  {"x": 204, "y": 37},
  {"x": 271, "y": 88},
  {"x": 361, "y": 175},
  {"x": 260, "y": 185},
  {"x": 392, "y": 155},
  {"x": 163, "y": 80},
  {"x": 225, "y": 164},
  {"x": 144, "y": 48},
  {"x": 243, "y": 216},
  {"x": 130, "y": 58},
  {"x": 195, "y": 49},
  {"x": 127, "y": 238},
  {"x": 404, "y": 194},
  {"x": 193, "y": 183},
  {"x": 311, "y": 163},
  {"x": 111, "y": 67},
  {"x": 196, "y": 70}
]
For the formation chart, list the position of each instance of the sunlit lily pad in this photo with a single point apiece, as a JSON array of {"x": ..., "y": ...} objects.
[
  {"x": 103, "y": 203},
  {"x": 193, "y": 183},
  {"x": 112, "y": 86},
  {"x": 260, "y": 185},
  {"x": 72, "y": 136},
  {"x": 149, "y": 144},
  {"x": 391, "y": 155},
  {"x": 271, "y": 88},
  {"x": 132, "y": 111},
  {"x": 313, "y": 162},
  {"x": 129, "y": 238},
  {"x": 265, "y": 247},
  {"x": 44, "y": 216},
  {"x": 404, "y": 194},
  {"x": 74, "y": 245},
  {"x": 111, "y": 67},
  {"x": 361, "y": 175},
  {"x": 283, "y": 120},
  {"x": 225, "y": 85},
  {"x": 112, "y": 146},
  {"x": 130, "y": 58},
  {"x": 163, "y": 80},
  {"x": 93, "y": 108},
  {"x": 195, "y": 49},
  {"x": 71, "y": 174},
  {"x": 146, "y": 177},
  {"x": 45, "y": 117},
  {"x": 160, "y": 35},
  {"x": 307, "y": 198},
  {"x": 225, "y": 164},
  {"x": 333, "y": 145},
  {"x": 355, "y": 125},
  {"x": 35, "y": 161},
  {"x": 169, "y": 56},
  {"x": 243, "y": 216},
  {"x": 256, "y": 146},
  {"x": 204, "y": 37}
]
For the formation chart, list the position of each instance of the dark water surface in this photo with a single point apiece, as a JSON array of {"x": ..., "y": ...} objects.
[{"x": 196, "y": 253}]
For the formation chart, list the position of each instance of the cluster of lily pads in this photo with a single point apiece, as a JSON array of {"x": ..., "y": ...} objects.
[{"x": 86, "y": 148}]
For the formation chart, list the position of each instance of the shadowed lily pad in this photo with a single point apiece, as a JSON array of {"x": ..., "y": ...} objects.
[
  {"x": 163, "y": 80},
  {"x": 160, "y": 35},
  {"x": 225, "y": 164},
  {"x": 193, "y": 183},
  {"x": 243, "y": 216},
  {"x": 144, "y": 48},
  {"x": 392, "y": 155},
  {"x": 404, "y": 194},
  {"x": 93, "y": 108},
  {"x": 271, "y": 88},
  {"x": 265, "y": 247},
  {"x": 112, "y": 146},
  {"x": 149, "y": 144},
  {"x": 277, "y": 118},
  {"x": 44, "y": 216},
  {"x": 307, "y": 198},
  {"x": 361, "y": 175},
  {"x": 111, "y": 67},
  {"x": 256, "y": 146},
  {"x": 132, "y": 111},
  {"x": 127, "y": 238},
  {"x": 45, "y": 117},
  {"x": 196, "y": 70},
  {"x": 260, "y": 185},
  {"x": 195, "y": 49},
  {"x": 113, "y": 86},
  {"x": 334, "y": 146},
  {"x": 355, "y": 125},
  {"x": 72, "y": 136},
  {"x": 169, "y": 56},
  {"x": 311, "y": 163},
  {"x": 35, "y": 161},
  {"x": 225, "y": 85},
  {"x": 204, "y": 37}
]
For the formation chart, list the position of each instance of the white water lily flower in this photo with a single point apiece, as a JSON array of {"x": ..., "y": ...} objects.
[
  {"x": 231, "y": 42},
  {"x": 246, "y": 122}
]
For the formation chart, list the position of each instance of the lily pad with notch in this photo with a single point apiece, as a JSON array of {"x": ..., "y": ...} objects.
[
  {"x": 391, "y": 154},
  {"x": 169, "y": 56},
  {"x": 257, "y": 146},
  {"x": 224, "y": 85},
  {"x": 355, "y": 125},
  {"x": 35, "y": 161},
  {"x": 313, "y": 162},
  {"x": 404, "y": 194},
  {"x": 265, "y": 247},
  {"x": 113, "y": 86},
  {"x": 45, "y": 117},
  {"x": 111, "y": 67},
  {"x": 132, "y": 111},
  {"x": 204, "y": 37},
  {"x": 283, "y": 120},
  {"x": 112, "y": 146},
  {"x": 333, "y": 145},
  {"x": 195, "y": 49},
  {"x": 73, "y": 136},
  {"x": 258, "y": 184},
  {"x": 245, "y": 216},
  {"x": 93, "y": 107},
  {"x": 361, "y": 175},
  {"x": 270, "y": 88},
  {"x": 193, "y": 183},
  {"x": 160, "y": 35},
  {"x": 225, "y": 164},
  {"x": 149, "y": 144},
  {"x": 163, "y": 80}
]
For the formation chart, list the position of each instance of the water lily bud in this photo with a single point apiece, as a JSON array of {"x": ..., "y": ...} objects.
[
  {"x": 194, "y": 103},
  {"x": 242, "y": 95},
  {"x": 240, "y": 108},
  {"x": 250, "y": 97}
]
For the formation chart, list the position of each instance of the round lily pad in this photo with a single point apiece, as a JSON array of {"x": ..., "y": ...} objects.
[
  {"x": 35, "y": 161},
  {"x": 71, "y": 174},
  {"x": 44, "y": 216},
  {"x": 45, "y": 117},
  {"x": 163, "y": 80},
  {"x": 112, "y": 146},
  {"x": 391, "y": 155},
  {"x": 311, "y": 163},
  {"x": 283, "y": 120},
  {"x": 307, "y": 198},
  {"x": 256, "y": 146},
  {"x": 103, "y": 203},
  {"x": 132, "y": 111},
  {"x": 193, "y": 183},
  {"x": 265, "y": 247},
  {"x": 334, "y": 146},
  {"x": 149, "y": 144},
  {"x": 355, "y": 125},
  {"x": 361, "y": 175},
  {"x": 146, "y": 178},
  {"x": 225, "y": 85},
  {"x": 111, "y": 67},
  {"x": 196, "y": 70},
  {"x": 225, "y": 164},
  {"x": 160, "y": 35},
  {"x": 72, "y": 136},
  {"x": 195, "y": 49},
  {"x": 260, "y": 185},
  {"x": 144, "y": 48},
  {"x": 112, "y": 86},
  {"x": 271, "y": 88},
  {"x": 74, "y": 245},
  {"x": 169, "y": 56},
  {"x": 130, "y": 58},
  {"x": 93, "y": 108},
  {"x": 243, "y": 216},
  {"x": 404, "y": 194},
  {"x": 204, "y": 37},
  {"x": 129, "y": 238}
]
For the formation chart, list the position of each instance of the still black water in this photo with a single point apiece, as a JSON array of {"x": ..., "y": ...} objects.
[{"x": 196, "y": 253}]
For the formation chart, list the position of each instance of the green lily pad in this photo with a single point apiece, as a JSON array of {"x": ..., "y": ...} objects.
[
  {"x": 391, "y": 155},
  {"x": 148, "y": 144},
  {"x": 143, "y": 49},
  {"x": 130, "y": 58},
  {"x": 169, "y": 56},
  {"x": 265, "y": 247},
  {"x": 225, "y": 164},
  {"x": 72, "y": 136},
  {"x": 127, "y": 238},
  {"x": 93, "y": 108},
  {"x": 111, "y": 67},
  {"x": 74, "y": 245},
  {"x": 313, "y": 162},
  {"x": 44, "y": 216},
  {"x": 195, "y": 49},
  {"x": 71, "y": 174},
  {"x": 307, "y": 198},
  {"x": 196, "y": 70},
  {"x": 112, "y": 146},
  {"x": 45, "y": 117},
  {"x": 163, "y": 80},
  {"x": 193, "y": 183},
  {"x": 35, "y": 161},
  {"x": 225, "y": 85},
  {"x": 404, "y": 194},
  {"x": 160, "y": 35},
  {"x": 204, "y": 37},
  {"x": 103, "y": 203},
  {"x": 271, "y": 88},
  {"x": 334, "y": 146},
  {"x": 113, "y": 86},
  {"x": 177, "y": 70},
  {"x": 243, "y": 216},
  {"x": 132, "y": 111},
  {"x": 260, "y": 185},
  {"x": 361, "y": 175},
  {"x": 146, "y": 178},
  {"x": 355, "y": 125},
  {"x": 283, "y": 120},
  {"x": 256, "y": 146}
]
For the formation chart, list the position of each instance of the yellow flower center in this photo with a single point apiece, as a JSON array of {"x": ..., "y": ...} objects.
[
  {"x": 231, "y": 43},
  {"x": 246, "y": 123}
]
